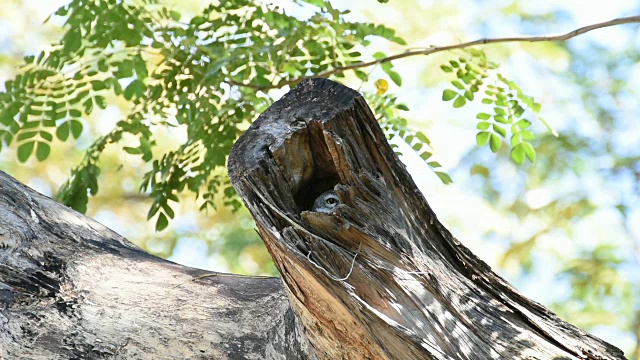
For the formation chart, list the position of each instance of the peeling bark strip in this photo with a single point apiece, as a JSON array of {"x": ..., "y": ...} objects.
[
  {"x": 380, "y": 278},
  {"x": 72, "y": 289}
]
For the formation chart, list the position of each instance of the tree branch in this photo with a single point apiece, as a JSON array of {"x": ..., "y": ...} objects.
[
  {"x": 436, "y": 49},
  {"x": 527, "y": 38}
]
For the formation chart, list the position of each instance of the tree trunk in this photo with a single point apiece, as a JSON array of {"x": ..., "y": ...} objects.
[
  {"x": 378, "y": 277},
  {"x": 72, "y": 289}
]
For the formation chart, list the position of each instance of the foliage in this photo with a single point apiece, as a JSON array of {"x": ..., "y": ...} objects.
[
  {"x": 387, "y": 111},
  {"x": 594, "y": 275},
  {"x": 473, "y": 72},
  {"x": 209, "y": 75}
]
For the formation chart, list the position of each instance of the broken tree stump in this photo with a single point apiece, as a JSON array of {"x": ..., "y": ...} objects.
[{"x": 380, "y": 277}]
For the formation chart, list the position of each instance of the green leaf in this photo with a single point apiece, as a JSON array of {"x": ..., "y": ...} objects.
[
  {"x": 527, "y": 135},
  {"x": 425, "y": 155},
  {"x": 42, "y": 151},
  {"x": 482, "y": 138},
  {"x": 500, "y": 130},
  {"x": 446, "y": 68},
  {"x": 395, "y": 77},
  {"x": 361, "y": 75},
  {"x": 523, "y": 124},
  {"x": 457, "y": 84},
  {"x": 518, "y": 111},
  {"x": 379, "y": 55},
  {"x": 45, "y": 135},
  {"x": 98, "y": 85},
  {"x": 134, "y": 90},
  {"x": 398, "y": 40},
  {"x": 517, "y": 154},
  {"x": 25, "y": 150},
  {"x": 495, "y": 143},
  {"x": 469, "y": 95},
  {"x": 501, "y": 119},
  {"x": 422, "y": 137},
  {"x": 448, "y": 94},
  {"x": 459, "y": 102},
  {"x": 27, "y": 135},
  {"x": 140, "y": 67},
  {"x": 197, "y": 21},
  {"x": 132, "y": 150},
  {"x": 100, "y": 101},
  {"x": 162, "y": 222},
  {"x": 483, "y": 116},
  {"x": 516, "y": 139},
  {"x": 483, "y": 125},
  {"x": 7, "y": 117},
  {"x": 434, "y": 164},
  {"x": 124, "y": 69},
  {"x": 536, "y": 107},
  {"x": 62, "y": 132},
  {"x": 174, "y": 15},
  {"x": 529, "y": 151},
  {"x": 168, "y": 210},
  {"x": 103, "y": 66},
  {"x": 446, "y": 179},
  {"x": 76, "y": 128},
  {"x": 72, "y": 41},
  {"x": 88, "y": 106}
]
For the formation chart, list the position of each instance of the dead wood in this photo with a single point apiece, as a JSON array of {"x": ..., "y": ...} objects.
[{"x": 380, "y": 278}]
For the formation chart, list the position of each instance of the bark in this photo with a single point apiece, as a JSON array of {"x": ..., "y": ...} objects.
[
  {"x": 72, "y": 289},
  {"x": 380, "y": 278}
]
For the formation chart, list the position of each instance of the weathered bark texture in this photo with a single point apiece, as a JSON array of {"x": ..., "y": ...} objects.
[
  {"x": 72, "y": 289},
  {"x": 380, "y": 278}
]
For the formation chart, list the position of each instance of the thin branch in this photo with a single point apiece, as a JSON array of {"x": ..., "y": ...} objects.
[{"x": 436, "y": 49}]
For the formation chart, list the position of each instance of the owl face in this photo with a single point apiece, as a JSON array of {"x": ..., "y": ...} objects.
[{"x": 326, "y": 203}]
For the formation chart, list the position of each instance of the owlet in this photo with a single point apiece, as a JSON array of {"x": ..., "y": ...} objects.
[{"x": 326, "y": 203}]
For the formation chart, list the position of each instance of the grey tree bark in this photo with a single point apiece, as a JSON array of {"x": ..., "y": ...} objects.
[
  {"x": 70, "y": 288},
  {"x": 378, "y": 278}
]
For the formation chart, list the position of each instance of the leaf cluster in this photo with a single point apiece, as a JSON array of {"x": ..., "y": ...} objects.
[
  {"x": 474, "y": 74},
  {"x": 209, "y": 76}
]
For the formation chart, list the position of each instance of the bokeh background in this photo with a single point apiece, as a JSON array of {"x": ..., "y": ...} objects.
[{"x": 564, "y": 230}]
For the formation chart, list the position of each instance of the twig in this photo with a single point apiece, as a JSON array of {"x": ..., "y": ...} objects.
[
  {"x": 528, "y": 38},
  {"x": 436, "y": 49},
  {"x": 353, "y": 262}
]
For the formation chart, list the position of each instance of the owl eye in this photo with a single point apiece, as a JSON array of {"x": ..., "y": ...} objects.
[{"x": 331, "y": 201}]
